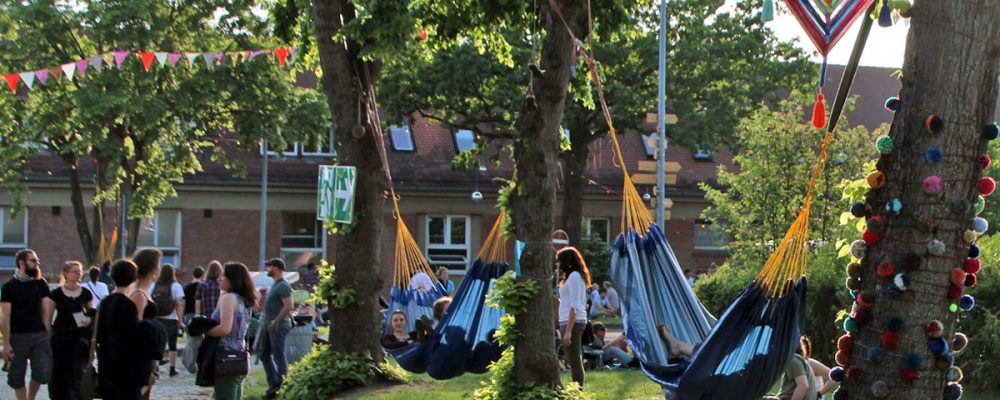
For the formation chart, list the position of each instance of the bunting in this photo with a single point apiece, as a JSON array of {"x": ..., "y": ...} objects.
[{"x": 97, "y": 63}]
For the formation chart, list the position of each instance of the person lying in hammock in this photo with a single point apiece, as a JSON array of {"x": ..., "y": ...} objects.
[
  {"x": 676, "y": 346},
  {"x": 398, "y": 338}
]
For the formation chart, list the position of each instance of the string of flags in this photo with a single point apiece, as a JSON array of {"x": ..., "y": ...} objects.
[{"x": 115, "y": 59}]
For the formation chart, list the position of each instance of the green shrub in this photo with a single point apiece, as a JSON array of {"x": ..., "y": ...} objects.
[
  {"x": 323, "y": 373},
  {"x": 597, "y": 253},
  {"x": 982, "y": 324},
  {"x": 501, "y": 385}
]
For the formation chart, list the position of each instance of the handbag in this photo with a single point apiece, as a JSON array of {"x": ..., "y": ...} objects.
[
  {"x": 89, "y": 384},
  {"x": 231, "y": 362}
]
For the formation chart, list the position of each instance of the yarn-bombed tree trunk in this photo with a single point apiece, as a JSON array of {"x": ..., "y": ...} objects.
[
  {"x": 914, "y": 268},
  {"x": 536, "y": 150},
  {"x": 357, "y": 252}
]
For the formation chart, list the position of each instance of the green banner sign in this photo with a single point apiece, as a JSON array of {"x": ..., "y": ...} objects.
[{"x": 335, "y": 193}]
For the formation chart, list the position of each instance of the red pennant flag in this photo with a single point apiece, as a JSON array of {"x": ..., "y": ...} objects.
[
  {"x": 282, "y": 54},
  {"x": 57, "y": 73},
  {"x": 423, "y": 34},
  {"x": 147, "y": 59},
  {"x": 12, "y": 81}
]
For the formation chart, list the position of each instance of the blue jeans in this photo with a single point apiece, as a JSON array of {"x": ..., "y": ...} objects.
[
  {"x": 273, "y": 357},
  {"x": 614, "y": 352}
]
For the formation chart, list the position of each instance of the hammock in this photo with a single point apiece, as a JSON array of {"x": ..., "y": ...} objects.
[
  {"x": 463, "y": 340},
  {"x": 414, "y": 289}
]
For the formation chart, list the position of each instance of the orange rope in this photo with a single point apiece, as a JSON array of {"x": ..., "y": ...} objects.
[{"x": 495, "y": 247}]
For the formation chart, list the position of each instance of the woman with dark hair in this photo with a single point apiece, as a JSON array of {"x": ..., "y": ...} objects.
[
  {"x": 70, "y": 332},
  {"x": 398, "y": 337},
  {"x": 168, "y": 295},
  {"x": 574, "y": 279},
  {"x": 233, "y": 314},
  {"x": 207, "y": 294},
  {"x": 95, "y": 286},
  {"x": 117, "y": 338},
  {"x": 147, "y": 262},
  {"x": 819, "y": 370}
]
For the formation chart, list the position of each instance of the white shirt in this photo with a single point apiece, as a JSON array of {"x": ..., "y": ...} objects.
[
  {"x": 176, "y": 292},
  {"x": 573, "y": 294},
  {"x": 595, "y": 300},
  {"x": 422, "y": 282},
  {"x": 99, "y": 290}
]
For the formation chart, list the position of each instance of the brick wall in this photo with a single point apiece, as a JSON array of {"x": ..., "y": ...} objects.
[{"x": 229, "y": 235}]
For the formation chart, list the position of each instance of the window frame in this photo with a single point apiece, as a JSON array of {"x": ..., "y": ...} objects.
[
  {"x": 168, "y": 251},
  {"x": 409, "y": 132},
  {"x": 4, "y": 246},
  {"x": 321, "y": 153},
  {"x": 700, "y": 248},
  {"x": 467, "y": 246},
  {"x": 320, "y": 232},
  {"x": 589, "y": 221},
  {"x": 458, "y": 147},
  {"x": 294, "y": 153}
]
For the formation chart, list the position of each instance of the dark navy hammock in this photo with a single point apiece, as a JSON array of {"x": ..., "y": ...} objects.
[
  {"x": 463, "y": 340},
  {"x": 742, "y": 355}
]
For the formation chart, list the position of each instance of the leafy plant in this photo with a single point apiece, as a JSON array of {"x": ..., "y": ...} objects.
[
  {"x": 323, "y": 373},
  {"x": 512, "y": 295},
  {"x": 501, "y": 386},
  {"x": 329, "y": 291}
]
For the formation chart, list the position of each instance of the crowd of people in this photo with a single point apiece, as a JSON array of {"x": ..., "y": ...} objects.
[{"x": 125, "y": 319}]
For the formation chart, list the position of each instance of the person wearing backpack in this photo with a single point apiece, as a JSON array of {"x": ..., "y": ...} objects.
[{"x": 168, "y": 295}]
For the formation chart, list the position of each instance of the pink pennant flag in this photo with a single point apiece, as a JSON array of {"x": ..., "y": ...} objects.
[
  {"x": 97, "y": 63},
  {"x": 12, "y": 82},
  {"x": 147, "y": 59},
  {"x": 42, "y": 75},
  {"x": 28, "y": 78},
  {"x": 282, "y": 54},
  {"x": 81, "y": 67},
  {"x": 68, "y": 70},
  {"x": 161, "y": 57},
  {"x": 191, "y": 57},
  {"x": 173, "y": 58},
  {"x": 218, "y": 57},
  {"x": 120, "y": 58},
  {"x": 255, "y": 53}
]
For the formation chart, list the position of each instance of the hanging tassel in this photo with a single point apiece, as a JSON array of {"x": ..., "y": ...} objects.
[
  {"x": 768, "y": 13},
  {"x": 819, "y": 112},
  {"x": 885, "y": 15}
]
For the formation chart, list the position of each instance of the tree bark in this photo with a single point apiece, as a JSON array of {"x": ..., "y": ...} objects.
[
  {"x": 533, "y": 202},
  {"x": 950, "y": 71},
  {"x": 80, "y": 214},
  {"x": 574, "y": 166},
  {"x": 357, "y": 253}
]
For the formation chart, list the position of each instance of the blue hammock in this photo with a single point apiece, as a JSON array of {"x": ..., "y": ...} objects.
[
  {"x": 463, "y": 341},
  {"x": 740, "y": 358},
  {"x": 415, "y": 303}
]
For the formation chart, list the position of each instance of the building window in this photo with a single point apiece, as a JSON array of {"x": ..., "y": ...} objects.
[
  {"x": 598, "y": 228},
  {"x": 303, "y": 239},
  {"x": 323, "y": 148},
  {"x": 702, "y": 155},
  {"x": 163, "y": 232},
  {"x": 447, "y": 241},
  {"x": 649, "y": 142},
  {"x": 707, "y": 239},
  {"x": 13, "y": 235},
  {"x": 402, "y": 138},
  {"x": 291, "y": 150},
  {"x": 465, "y": 140}
]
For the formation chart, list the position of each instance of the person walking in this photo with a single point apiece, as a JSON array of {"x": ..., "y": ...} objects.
[
  {"x": 275, "y": 327},
  {"x": 147, "y": 262},
  {"x": 207, "y": 295},
  {"x": 190, "y": 291},
  {"x": 233, "y": 314},
  {"x": 117, "y": 337},
  {"x": 70, "y": 332},
  {"x": 169, "y": 298},
  {"x": 574, "y": 278},
  {"x": 95, "y": 286},
  {"x": 26, "y": 326},
  {"x": 447, "y": 284}
]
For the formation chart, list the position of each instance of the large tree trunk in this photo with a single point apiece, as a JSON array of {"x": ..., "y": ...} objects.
[
  {"x": 533, "y": 203},
  {"x": 80, "y": 215},
  {"x": 574, "y": 166},
  {"x": 357, "y": 253},
  {"x": 950, "y": 71}
]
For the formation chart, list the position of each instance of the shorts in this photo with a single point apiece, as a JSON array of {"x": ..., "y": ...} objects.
[
  {"x": 171, "y": 326},
  {"x": 30, "y": 346}
]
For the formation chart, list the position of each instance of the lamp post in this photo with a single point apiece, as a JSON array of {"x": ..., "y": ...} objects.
[{"x": 661, "y": 110}]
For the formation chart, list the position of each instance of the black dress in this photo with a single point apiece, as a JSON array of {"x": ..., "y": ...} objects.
[
  {"x": 70, "y": 344},
  {"x": 117, "y": 340}
]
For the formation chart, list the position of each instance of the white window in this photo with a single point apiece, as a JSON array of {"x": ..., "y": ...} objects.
[
  {"x": 650, "y": 143},
  {"x": 163, "y": 232},
  {"x": 599, "y": 228},
  {"x": 291, "y": 150},
  {"x": 13, "y": 236},
  {"x": 707, "y": 239},
  {"x": 703, "y": 155},
  {"x": 465, "y": 140},
  {"x": 402, "y": 138},
  {"x": 323, "y": 148},
  {"x": 447, "y": 241},
  {"x": 303, "y": 239}
]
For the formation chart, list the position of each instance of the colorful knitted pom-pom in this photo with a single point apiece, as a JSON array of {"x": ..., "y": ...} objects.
[
  {"x": 936, "y": 247},
  {"x": 938, "y": 346},
  {"x": 837, "y": 374},
  {"x": 885, "y": 269},
  {"x": 866, "y": 298},
  {"x": 893, "y": 206},
  {"x": 858, "y": 210},
  {"x": 844, "y": 342},
  {"x": 870, "y": 237},
  {"x": 853, "y": 283},
  {"x": 986, "y": 185},
  {"x": 972, "y": 265},
  {"x": 908, "y": 375},
  {"x": 966, "y": 303},
  {"x": 850, "y": 325},
  {"x": 958, "y": 276},
  {"x": 875, "y": 224},
  {"x": 970, "y": 236},
  {"x": 911, "y": 260},
  {"x": 935, "y": 329},
  {"x": 884, "y": 144},
  {"x": 973, "y": 252},
  {"x": 980, "y": 225},
  {"x": 894, "y": 324},
  {"x": 955, "y": 292},
  {"x": 933, "y": 184},
  {"x": 876, "y": 354},
  {"x": 980, "y": 204},
  {"x": 912, "y": 361},
  {"x": 933, "y": 155},
  {"x": 933, "y": 124},
  {"x": 991, "y": 131},
  {"x": 893, "y": 103},
  {"x": 926, "y": 223},
  {"x": 858, "y": 249},
  {"x": 891, "y": 291},
  {"x": 984, "y": 161},
  {"x": 880, "y": 389},
  {"x": 841, "y": 357},
  {"x": 971, "y": 280},
  {"x": 944, "y": 361},
  {"x": 854, "y": 374},
  {"x": 953, "y": 391},
  {"x": 890, "y": 340},
  {"x": 960, "y": 341},
  {"x": 875, "y": 179},
  {"x": 901, "y": 281},
  {"x": 954, "y": 374},
  {"x": 854, "y": 270}
]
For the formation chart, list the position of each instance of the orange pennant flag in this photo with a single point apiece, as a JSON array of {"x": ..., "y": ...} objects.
[
  {"x": 12, "y": 81},
  {"x": 147, "y": 59},
  {"x": 56, "y": 72},
  {"x": 282, "y": 54}
]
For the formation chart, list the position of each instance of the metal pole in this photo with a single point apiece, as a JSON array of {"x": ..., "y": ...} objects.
[
  {"x": 263, "y": 203},
  {"x": 124, "y": 225},
  {"x": 661, "y": 110}
]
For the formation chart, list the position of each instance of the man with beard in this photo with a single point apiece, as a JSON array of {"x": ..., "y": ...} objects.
[
  {"x": 26, "y": 326},
  {"x": 275, "y": 326}
]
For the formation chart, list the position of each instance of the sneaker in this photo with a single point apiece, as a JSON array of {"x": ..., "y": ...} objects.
[
  {"x": 173, "y": 372},
  {"x": 164, "y": 362}
]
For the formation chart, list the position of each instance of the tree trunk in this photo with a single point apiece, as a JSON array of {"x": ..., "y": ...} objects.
[
  {"x": 357, "y": 253},
  {"x": 574, "y": 166},
  {"x": 533, "y": 202},
  {"x": 80, "y": 214},
  {"x": 950, "y": 71}
]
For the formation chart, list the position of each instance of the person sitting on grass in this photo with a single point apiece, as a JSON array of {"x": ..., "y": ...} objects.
[{"x": 398, "y": 338}]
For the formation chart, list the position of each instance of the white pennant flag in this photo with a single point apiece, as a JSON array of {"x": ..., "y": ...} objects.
[
  {"x": 191, "y": 57},
  {"x": 28, "y": 78},
  {"x": 209, "y": 58},
  {"x": 161, "y": 57},
  {"x": 68, "y": 70}
]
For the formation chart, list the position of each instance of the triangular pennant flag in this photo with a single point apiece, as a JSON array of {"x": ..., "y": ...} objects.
[
  {"x": 218, "y": 57},
  {"x": 97, "y": 63},
  {"x": 57, "y": 73},
  {"x": 234, "y": 57},
  {"x": 81, "y": 67},
  {"x": 120, "y": 57},
  {"x": 161, "y": 57},
  {"x": 173, "y": 57},
  {"x": 147, "y": 59},
  {"x": 42, "y": 75},
  {"x": 291, "y": 56},
  {"x": 246, "y": 55},
  {"x": 209, "y": 58},
  {"x": 191, "y": 57},
  {"x": 12, "y": 82},
  {"x": 68, "y": 70},
  {"x": 255, "y": 53},
  {"x": 28, "y": 78},
  {"x": 282, "y": 54}
]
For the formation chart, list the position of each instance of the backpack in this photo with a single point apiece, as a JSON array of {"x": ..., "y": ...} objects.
[{"x": 163, "y": 300}]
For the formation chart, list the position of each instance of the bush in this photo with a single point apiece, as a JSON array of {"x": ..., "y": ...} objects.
[
  {"x": 982, "y": 324},
  {"x": 323, "y": 373},
  {"x": 597, "y": 253},
  {"x": 501, "y": 385}
]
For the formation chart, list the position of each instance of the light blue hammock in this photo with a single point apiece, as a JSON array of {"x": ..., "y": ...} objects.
[{"x": 414, "y": 303}]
